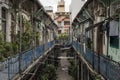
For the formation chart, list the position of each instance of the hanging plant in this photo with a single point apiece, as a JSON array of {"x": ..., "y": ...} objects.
[
  {"x": 89, "y": 42},
  {"x": 38, "y": 36}
]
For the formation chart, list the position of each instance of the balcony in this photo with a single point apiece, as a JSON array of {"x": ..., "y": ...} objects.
[{"x": 109, "y": 69}]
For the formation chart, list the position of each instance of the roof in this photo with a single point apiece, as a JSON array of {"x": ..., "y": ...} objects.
[
  {"x": 88, "y": 1},
  {"x": 60, "y": 18}
]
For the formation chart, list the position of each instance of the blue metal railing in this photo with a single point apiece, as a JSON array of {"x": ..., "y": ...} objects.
[
  {"x": 10, "y": 67},
  {"x": 106, "y": 67}
]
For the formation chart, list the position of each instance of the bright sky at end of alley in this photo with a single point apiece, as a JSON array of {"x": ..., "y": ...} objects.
[{"x": 54, "y": 3}]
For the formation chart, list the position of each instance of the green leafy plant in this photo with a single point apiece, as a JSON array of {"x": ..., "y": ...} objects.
[
  {"x": 27, "y": 35},
  {"x": 48, "y": 73},
  {"x": 63, "y": 36},
  {"x": 89, "y": 42},
  {"x": 38, "y": 36},
  {"x": 73, "y": 69},
  {"x": 7, "y": 49}
]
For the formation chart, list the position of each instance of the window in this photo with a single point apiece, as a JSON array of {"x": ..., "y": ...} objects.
[
  {"x": 59, "y": 31},
  {"x": 4, "y": 22},
  {"x": 61, "y": 5},
  {"x": 59, "y": 23},
  {"x": 67, "y": 22},
  {"x": 49, "y": 10},
  {"x": 114, "y": 42}
]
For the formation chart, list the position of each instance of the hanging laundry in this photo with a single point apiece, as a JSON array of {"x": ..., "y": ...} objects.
[{"x": 113, "y": 28}]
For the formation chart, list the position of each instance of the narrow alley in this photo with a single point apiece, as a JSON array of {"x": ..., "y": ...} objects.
[
  {"x": 62, "y": 71},
  {"x": 59, "y": 39}
]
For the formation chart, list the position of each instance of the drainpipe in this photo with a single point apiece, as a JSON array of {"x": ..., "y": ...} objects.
[{"x": 20, "y": 46}]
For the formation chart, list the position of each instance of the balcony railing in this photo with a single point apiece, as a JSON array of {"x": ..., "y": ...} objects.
[
  {"x": 10, "y": 67},
  {"x": 109, "y": 69}
]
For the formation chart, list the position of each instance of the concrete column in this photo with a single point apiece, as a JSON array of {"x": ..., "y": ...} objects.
[
  {"x": 46, "y": 36},
  {"x": 85, "y": 72},
  {"x": 43, "y": 38},
  {"x": 50, "y": 35},
  {"x": 41, "y": 35},
  {"x": 8, "y": 27},
  {"x": 0, "y": 17}
]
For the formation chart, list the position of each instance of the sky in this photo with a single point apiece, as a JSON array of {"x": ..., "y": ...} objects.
[{"x": 54, "y": 3}]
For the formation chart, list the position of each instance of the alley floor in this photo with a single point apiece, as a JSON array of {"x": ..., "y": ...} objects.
[{"x": 62, "y": 71}]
